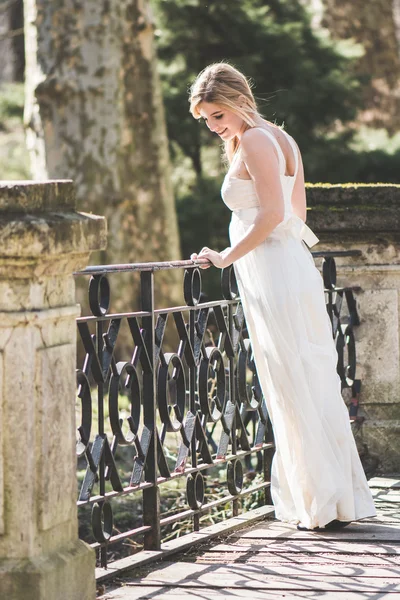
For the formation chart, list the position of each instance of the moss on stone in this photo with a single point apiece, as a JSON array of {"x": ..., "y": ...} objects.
[
  {"x": 354, "y": 210},
  {"x": 32, "y": 196},
  {"x": 351, "y": 185},
  {"x": 353, "y": 197}
]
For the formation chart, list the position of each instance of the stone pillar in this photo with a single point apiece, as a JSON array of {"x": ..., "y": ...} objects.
[
  {"x": 43, "y": 240},
  {"x": 367, "y": 218}
]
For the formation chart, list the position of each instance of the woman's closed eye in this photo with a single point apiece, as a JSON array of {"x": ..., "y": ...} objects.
[{"x": 215, "y": 117}]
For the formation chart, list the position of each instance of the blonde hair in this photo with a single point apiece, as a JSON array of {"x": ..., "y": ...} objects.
[{"x": 220, "y": 83}]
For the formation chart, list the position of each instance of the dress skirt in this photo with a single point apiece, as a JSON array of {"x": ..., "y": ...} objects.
[{"x": 316, "y": 475}]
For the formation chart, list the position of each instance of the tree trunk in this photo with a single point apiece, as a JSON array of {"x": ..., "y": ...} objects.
[
  {"x": 94, "y": 114},
  {"x": 375, "y": 25},
  {"x": 18, "y": 43},
  {"x": 195, "y": 156},
  {"x": 6, "y": 54}
]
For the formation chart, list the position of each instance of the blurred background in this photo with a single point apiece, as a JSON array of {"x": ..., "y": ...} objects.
[{"x": 97, "y": 91}]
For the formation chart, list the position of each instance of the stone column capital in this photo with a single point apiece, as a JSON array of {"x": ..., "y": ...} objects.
[{"x": 42, "y": 233}]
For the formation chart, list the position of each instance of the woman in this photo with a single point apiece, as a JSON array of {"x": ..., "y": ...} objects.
[{"x": 317, "y": 478}]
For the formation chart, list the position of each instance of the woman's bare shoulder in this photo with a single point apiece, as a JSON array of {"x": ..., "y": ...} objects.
[{"x": 256, "y": 139}]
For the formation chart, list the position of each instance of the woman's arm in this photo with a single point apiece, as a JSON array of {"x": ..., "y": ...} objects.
[{"x": 262, "y": 163}]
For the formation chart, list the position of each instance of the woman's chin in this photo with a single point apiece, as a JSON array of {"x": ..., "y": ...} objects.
[{"x": 227, "y": 136}]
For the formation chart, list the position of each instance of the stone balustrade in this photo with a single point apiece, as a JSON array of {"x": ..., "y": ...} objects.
[
  {"x": 367, "y": 218},
  {"x": 43, "y": 240}
]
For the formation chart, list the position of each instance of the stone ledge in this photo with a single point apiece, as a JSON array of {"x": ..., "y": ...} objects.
[
  {"x": 34, "y": 196},
  {"x": 51, "y": 233},
  {"x": 349, "y": 195},
  {"x": 351, "y": 212}
]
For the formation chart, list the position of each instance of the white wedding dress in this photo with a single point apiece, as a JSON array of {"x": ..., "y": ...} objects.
[{"x": 316, "y": 475}]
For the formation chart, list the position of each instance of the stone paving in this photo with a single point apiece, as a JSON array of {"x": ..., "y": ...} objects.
[{"x": 272, "y": 560}]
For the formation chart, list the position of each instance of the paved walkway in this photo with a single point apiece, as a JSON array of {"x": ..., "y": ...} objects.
[{"x": 272, "y": 560}]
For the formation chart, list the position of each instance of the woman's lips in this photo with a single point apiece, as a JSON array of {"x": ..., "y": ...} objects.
[{"x": 222, "y": 132}]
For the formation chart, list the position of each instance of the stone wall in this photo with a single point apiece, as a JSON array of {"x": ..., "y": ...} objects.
[
  {"x": 43, "y": 240},
  {"x": 367, "y": 218}
]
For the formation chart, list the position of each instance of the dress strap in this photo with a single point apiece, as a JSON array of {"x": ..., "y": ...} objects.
[
  {"x": 295, "y": 152},
  {"x": 281, "y": 156},
  {"x": 280, "y": 151}
]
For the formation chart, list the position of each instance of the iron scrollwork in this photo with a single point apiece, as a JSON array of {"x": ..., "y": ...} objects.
[{"x": 204, "y": 395}]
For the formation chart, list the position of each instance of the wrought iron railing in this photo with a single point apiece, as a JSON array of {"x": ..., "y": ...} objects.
[{"x": 187, "y": 414}]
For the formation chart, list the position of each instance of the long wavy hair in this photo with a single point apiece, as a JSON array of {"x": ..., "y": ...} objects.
[{"x": 221, "y": 83}]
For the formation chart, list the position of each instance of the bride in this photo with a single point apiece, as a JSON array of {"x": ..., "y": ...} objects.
[{"x": 317, "y": 479}]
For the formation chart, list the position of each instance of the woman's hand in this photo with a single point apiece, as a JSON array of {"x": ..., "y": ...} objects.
[{"x": 218, "y": 259}]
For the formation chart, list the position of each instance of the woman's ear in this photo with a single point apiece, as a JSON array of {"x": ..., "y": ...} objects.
[{"x": 242, "y": 100}]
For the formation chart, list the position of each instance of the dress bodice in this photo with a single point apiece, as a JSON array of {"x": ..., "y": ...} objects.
[{"x": 240, "y": 195}]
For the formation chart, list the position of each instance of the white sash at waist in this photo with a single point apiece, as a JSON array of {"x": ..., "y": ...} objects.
[
  {"x": 295, "y": 227},
  {"x": 308, "y": 236},
  {"x": 292, "y": 226}
]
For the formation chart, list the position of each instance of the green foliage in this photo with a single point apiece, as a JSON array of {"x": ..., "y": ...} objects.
[
  {"x": 340, "y": 164},
  {"x": 11, "y": 103},
  {"x": 14, "y": 160},
  {"x": 302, "y": 79}
]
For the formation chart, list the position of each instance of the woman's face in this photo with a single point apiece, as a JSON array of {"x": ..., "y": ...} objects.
[{"x": 222, "y": 121}]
